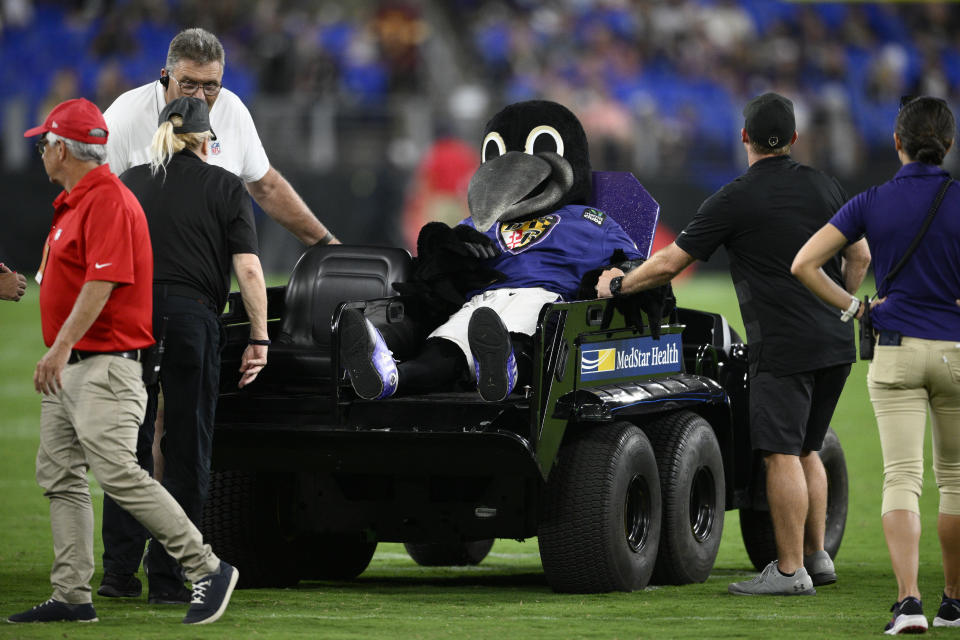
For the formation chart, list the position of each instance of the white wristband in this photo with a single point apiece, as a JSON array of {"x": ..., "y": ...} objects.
[{"x": 851, "y": 310}]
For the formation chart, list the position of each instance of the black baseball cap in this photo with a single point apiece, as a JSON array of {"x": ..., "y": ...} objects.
[
  {"x": 195, "y": 114},
  {"x": 769, "y": 120}
]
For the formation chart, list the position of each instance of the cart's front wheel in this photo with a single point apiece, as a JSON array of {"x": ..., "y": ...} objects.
[{"x": 600, "y": 526}]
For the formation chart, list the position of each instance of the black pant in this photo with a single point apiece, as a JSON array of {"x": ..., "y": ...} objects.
[
  {"x": 441, "y": 365},
  {"x": 189, "y": 378}
]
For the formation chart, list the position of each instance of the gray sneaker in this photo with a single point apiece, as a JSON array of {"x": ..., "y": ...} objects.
[
  {"x": 771, "y": 582},
  {"x": 820, "y": 567}
]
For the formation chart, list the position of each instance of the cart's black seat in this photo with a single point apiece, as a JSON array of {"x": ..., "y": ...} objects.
[{"x": 324, "y": 277}]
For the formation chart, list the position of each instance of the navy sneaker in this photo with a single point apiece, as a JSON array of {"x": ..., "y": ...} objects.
[
  {"x": 949, "y": 613},
  {"x": 56, "y": 611},
  {"x": 907, "y": 617},
  {"x": 120, "y": 585},
  {"x": 365, "y": 356},
  {"x": 211, "y": 595},
  {"x": 494, "y": 363}
]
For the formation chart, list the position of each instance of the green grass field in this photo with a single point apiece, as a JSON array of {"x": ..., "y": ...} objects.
[{"x": 504, "y": 597}]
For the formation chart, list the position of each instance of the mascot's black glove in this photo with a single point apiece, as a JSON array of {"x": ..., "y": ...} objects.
[
  {"x": 448, "y": 265},
  {"x": 473, "y": 243},
  {"x": 655, "y": 303}
]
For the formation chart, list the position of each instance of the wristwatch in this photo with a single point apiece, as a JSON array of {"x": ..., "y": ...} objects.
[{"x": 615, "y": 285}]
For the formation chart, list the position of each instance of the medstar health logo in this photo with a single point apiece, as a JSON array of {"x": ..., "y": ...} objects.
[{"x": 631, "y": 357}]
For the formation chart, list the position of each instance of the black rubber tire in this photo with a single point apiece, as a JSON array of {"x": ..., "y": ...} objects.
[
  {"x": 242, "y": 522},
  {"x": 334, "y": 556},
  {"x": 756, "y": 528},
  {"x": 449, "y": 554},
  {"x": 600, "y": 525},
  {"x": 693, "y": 496}
]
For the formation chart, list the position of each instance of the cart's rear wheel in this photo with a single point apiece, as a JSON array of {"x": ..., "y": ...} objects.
[
  {"x": 694, "y": 497},
  {"x": 243, "y": 522}
]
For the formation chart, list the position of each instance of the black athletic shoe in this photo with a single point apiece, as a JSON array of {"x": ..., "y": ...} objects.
[
  {"x": 56, "y": 611},
  {"x": 120, "y": 585},
  {"x": 494, "y": 363},
  {"x": 907, "y": 617},
  {"x": 949, "y": 613},
  {"x": 181, "y": 596},
  {"x": 211, "y": 594}
]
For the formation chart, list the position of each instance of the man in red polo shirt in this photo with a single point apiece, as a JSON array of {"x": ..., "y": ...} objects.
[{"x": 96, "y": 282}]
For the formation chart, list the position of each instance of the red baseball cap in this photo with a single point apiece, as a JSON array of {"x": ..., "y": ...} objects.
[{"x": 74, "y": 119}]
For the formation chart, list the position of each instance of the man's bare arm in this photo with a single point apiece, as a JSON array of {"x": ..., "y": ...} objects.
[
  {"x": 661, "y": 268},
  {"x": 277, "y": 197},
  {"x": 90, "y": 302},
  {"x": 856, "y": 259}
]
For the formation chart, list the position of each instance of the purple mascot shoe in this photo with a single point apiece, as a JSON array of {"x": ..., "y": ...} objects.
[
  {"x": 493, "y": 361},
  {"x": 365, "y": 356}
]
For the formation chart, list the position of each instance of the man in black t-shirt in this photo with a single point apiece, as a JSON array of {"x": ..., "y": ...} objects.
[
  {"x": 800, "y": 350},
  {"x": 201, "y": 222}
]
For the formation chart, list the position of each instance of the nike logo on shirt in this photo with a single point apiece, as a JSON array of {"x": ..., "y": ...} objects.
[{"x": 97, "y": 265}]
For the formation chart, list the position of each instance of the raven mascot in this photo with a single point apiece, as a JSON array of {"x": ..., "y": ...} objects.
[{"x": 531, "y": 239}]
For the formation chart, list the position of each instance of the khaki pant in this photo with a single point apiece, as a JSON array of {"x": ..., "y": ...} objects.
[
  {"x": 903, "y": 382},
  {"x": 92, "y": 423}
]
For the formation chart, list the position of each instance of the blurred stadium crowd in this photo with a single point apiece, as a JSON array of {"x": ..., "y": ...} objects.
[
  {"x": 371, "y": 85},
  {"x": 658, "y": 84}
]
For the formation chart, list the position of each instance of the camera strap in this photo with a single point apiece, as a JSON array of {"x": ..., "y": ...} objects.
[{"x": 916, "y": 241}]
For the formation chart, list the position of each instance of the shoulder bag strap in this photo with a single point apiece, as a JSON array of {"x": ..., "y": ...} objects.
[{"x": 916, "y": 241}]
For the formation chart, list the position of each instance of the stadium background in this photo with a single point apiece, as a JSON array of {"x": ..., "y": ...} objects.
[{"x": 373, "y": 108}]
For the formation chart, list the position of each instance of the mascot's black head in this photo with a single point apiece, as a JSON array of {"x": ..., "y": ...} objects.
[{"x": 535, "y": 160}]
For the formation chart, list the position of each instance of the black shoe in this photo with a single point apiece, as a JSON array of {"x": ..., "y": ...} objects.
[
  {"x": 211, "y": 594},
  {"x": 493, "y": 361},
  {"x": 180, "y": 596},
  {"x": 120, "y": 585},
  {"x": 949, "y": 613},
  {"x": 907, "y": 617},
  {"x": 56, "y": 611}
]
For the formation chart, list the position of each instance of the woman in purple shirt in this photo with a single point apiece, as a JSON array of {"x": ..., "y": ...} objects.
[{"x": 917, "y": 360}]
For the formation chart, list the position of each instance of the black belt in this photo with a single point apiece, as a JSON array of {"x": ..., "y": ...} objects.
[
  {"x": 183, "y": 291},
  {"x": 77, "y": 356}
]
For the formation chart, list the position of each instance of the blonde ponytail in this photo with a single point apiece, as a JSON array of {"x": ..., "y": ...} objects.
[{"x": 166, "y": 143}]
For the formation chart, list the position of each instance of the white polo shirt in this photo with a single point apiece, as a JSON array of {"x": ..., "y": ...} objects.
[{"x": 132, "y": 121}]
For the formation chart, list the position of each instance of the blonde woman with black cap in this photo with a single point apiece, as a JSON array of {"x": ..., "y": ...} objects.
[{"x": 201, "y": 220}]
